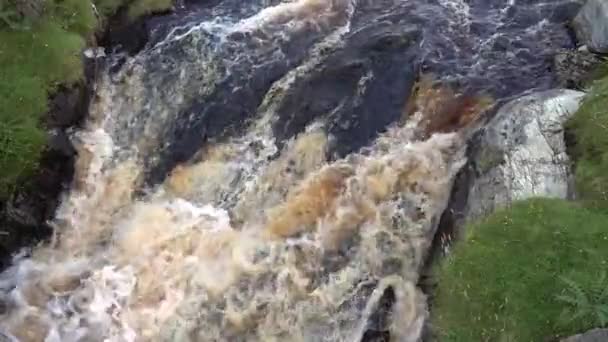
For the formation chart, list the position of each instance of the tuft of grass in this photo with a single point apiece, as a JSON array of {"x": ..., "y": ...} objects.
[
  {"x": 589, "y": 126},
  {"x": 589, "y": 303},
  {"x": 506, "y": 280}
]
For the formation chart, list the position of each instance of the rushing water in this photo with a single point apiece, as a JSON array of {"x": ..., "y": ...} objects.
[{"x": 273, "y": 170}]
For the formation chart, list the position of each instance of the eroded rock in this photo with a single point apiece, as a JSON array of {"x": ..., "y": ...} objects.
[
  {"x": 595, "y": 335},
  {"x": 521, "y": 153},
  {"x": 591, "y": 25},
  {"x": 574, "y": 68}
]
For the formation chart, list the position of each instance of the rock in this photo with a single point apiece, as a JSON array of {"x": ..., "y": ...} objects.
[
  {"x": 124, "y": 33},
  {"x": 574, "y": 68},
  {"x": 30, "y": 9},
  {"x": 521, "y": 153},
  {"x": 591, "y": 25},
  {"x": 595, "y": 335},
  {"x": 67, "y": 106},
  {"x": 563, "y": 12},
  {"x": 24, "y": 216},
  {"x": 59, "y": 142}
]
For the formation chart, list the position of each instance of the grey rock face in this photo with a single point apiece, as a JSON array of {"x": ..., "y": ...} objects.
[
  {"x": 591, "y": 25},
  {"x": 595, "y": 335},
  {"x": 521, "y": 153},
  {"x": 574, "y": 68}
]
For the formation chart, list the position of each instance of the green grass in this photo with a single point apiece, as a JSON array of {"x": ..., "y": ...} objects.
[
  {"x": 590, "y": 129},
  {"x": 143, "y": 7},
  {"x": 107, "y": 8},
  {"x": 511, "y": 277},
  {"x": 34, "y": 62},
  {"x": 37, "y": 57}
]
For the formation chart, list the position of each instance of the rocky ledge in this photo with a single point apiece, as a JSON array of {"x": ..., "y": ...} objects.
[
  {"x": 591, "y": 26},
  {"x": 521, "y": 153},
  {"x": 595, "y": 335}
]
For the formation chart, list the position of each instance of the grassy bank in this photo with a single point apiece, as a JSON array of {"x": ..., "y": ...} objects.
[
  {"x": 590, "y": 129},
  {"x": 37, "y": 55},
  {"x": 538, "y": 270},
  {"x": 528, "y": 273}
]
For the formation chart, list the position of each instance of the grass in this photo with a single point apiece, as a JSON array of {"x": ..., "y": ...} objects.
[
  {"x": 590, "y": 129},
  {"x": 517, "y": 275},
  {"x": 107, "y": 8},
  {"x": 34, "y": 62},
  {"x": 37, "y": 57},
  {"x": 144, "y": 7}
]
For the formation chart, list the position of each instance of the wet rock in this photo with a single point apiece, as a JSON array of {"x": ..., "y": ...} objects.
[
  {"x": 126, "y": 36},
  {"x": 24, "y": 216},
  {"x": 574, "y": 68},
  {"x": 59, "y": 142},
  {"x": 361, "y": 88},
  {"x": 591, "y": 25},
  {"x": 67, "y": 106},
  {"x": 595, "y": 335},
  {"x": 521, "y": 153},
  {"x": 563, "y": 12},
  {"x": 124, "y": 33}
]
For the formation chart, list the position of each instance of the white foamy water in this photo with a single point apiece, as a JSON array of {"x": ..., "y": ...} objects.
[{"x": 169, "y": 269}]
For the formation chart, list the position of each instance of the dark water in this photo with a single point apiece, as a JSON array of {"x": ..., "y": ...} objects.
[{"x": 223, "y": 74}]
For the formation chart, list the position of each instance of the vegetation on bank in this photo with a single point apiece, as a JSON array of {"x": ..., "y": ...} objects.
[
  {"x": 36, "y": 54},
  {"x": 590, "y": 130},
  {"x": 40, "y": 49},
  {"x": 539, "y": 269},
  {"x": 527, "y": 273}
]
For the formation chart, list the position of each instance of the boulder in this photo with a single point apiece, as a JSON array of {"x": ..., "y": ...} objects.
[
  {"x": 595, "y": 335},
  {"x": 591, "y": 25},
  {"x": 67, "y": 106},
  {"x": 575, "y": 68},
  {"x": 521, "y": 153},
  {"x": 30, "y": 9}
]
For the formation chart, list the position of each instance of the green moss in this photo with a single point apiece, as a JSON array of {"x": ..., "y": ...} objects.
[
  {"x": 34, "y": 62},
  {"x": 107, "y": 8},
  {"x": 598, "y": 73},
  {"x": 143, "y": 7},
  {"x": 75, "y": 16},
  {"x": 36, "y": 57},
  {"x": 590, "y": 129},
  {"x": 503, "y": 281}
]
